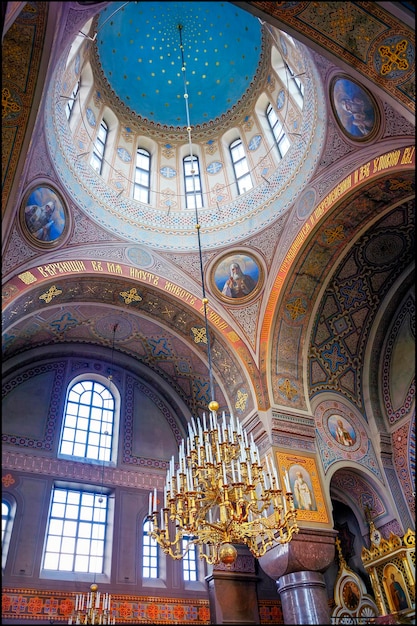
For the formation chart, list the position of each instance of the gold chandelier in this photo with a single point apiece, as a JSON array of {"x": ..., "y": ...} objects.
[
  {"x": 92, "y": 608},
  {"x": 220, "y": 494}
]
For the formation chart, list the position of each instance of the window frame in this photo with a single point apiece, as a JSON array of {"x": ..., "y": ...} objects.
[
  {"x": 193, "y": 196},
  {"x": 76, "y": 575},
  {"x": 149, "y": 543},
  {"x": 7, "y": 531},
  {"x": 279, "y": 139},
  {"x": 139, "y": 172},
  {"x": 187, "y": 560},
  {"x": 99, "y": 147},
  {"x": 113, "y": 390},
  {"x": 240, "y": 161},
  {"x": 71, "y": 100}
]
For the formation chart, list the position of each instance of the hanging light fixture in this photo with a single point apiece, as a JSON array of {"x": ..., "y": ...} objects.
[
  {"x": 94, "y": 607},
  {"x": 219, "y": 494}
]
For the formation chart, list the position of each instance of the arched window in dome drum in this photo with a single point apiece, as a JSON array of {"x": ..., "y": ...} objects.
[
  {"x": 141, "y": 187},
  {"x": 71, "y": 100},
  {"x": 240, "y": 166},
  {"x": 97, "y": 156},
  {"x": 192, "y": 183},
  {"x": 281, "y": 140}
]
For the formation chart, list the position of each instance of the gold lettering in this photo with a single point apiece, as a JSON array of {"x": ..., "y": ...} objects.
[
  {"x": 114, "y": 268},
  {"x": 408, "y": 155},
  {"x": 97, "y": 266}
]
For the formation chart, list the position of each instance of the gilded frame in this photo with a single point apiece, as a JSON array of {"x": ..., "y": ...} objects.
[
  {"x": 354, "y": 108},
  {"x": 253, "y": 277},
  {"x": 307, "y": 467}
]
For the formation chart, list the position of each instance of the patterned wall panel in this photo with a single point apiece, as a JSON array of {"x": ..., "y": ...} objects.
[
  {"x": 362, "y": 34},
  {"x": 21, "y": 56},
  {"x": 56, "y": 606},
  {"x": 350, "y": 302}
]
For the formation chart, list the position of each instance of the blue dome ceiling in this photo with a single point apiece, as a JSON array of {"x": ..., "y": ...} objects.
[{"x": 138, "y": 44}]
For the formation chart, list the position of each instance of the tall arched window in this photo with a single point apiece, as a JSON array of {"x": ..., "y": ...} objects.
[
  {"x": 141, "y": 187},
  {"x": 295, "y": 87},
  {"x": 71, "y": 100},
  {"x": 8, "y": 512},
  {"x": 150, "y": 563},
  {"x": 240, "y": 166},
  {"x": 192, "y": 183},
  {"x": 88, "y": 425},
  {"x": 281, "y": 140},
  {"x": 97, "y": 156}
]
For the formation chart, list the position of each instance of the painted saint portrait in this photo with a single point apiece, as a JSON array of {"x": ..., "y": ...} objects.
[
  {"x": 302, "y": 488},
  {"x": 237, "y": 276},
  {"x": 355, "y": 109},
  {"x": 342, "y": 431},
  {"x": 395, "y": 585},
  {"x": 44, "y": 217}
]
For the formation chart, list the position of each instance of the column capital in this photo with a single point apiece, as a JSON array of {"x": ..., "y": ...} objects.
[{"x": 311, "y": 549}]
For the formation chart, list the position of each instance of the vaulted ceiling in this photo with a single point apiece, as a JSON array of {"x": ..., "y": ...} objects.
[{"x": 332, "y": 263}]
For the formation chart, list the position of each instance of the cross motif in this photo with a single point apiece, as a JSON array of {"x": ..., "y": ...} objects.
[
  {"x": 131, "y": 296},
  {"x": 199, "y": 335},
  {"x": 50, "y": 294},
  {"x": 394, "y": 57}
]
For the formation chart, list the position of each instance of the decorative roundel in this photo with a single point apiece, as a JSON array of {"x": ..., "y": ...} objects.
[
  {"x": 167, "y": 172},
  {"x": 124, "y": 155},
  {"x": 139, "y": 257},
  {"x": 214, "y": 167},
  {"x": 281, "y": 99},
  {"x": 341, "y": 430},
  {"x": 384, "y": 248},
  {"x": 105, "y": 327},
  {"x": 394, "y": 57},
  {"x": 306, "y": 203},
  {"x": 237, "y": 276},
  {"x": 91, "y": 117},
  {"x": 254, "y": 142}
]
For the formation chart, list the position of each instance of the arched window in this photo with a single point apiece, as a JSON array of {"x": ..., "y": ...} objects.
[
  {"x": 5, "y": 518},
  {"x": 240, "y": 166},
  {"x": 141, "y": 186},
  {"x": 281, "y": 140},
  {"x": 192, "y": 183},
  {"x": 8, "y": 511},
  {"x": 150, "y": 563},
  {"x": 97, "y": 156},
  {"x": 295, "y": 87},
  {"x": 189, "y": 561},
  {"x": 71, "y": 100},
  {"x": 76, "y": 535},
  {"x": 88, "y": 425}
]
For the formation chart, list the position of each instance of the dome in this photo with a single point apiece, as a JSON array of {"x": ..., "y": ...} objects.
[
  {"x": 186, "y": 78},
  {"x": 218, "y": 44}
]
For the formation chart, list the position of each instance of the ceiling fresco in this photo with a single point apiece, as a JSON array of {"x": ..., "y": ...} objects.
[
  {"x": 331, "y": 275},
  {"x": 219, "y": 44}
]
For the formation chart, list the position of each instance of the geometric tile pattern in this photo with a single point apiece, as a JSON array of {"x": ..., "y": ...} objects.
[
  {"x": 350, "y": 303},
  {"x": 348, "y": 306},
  {"x": 47, "y": 607}
]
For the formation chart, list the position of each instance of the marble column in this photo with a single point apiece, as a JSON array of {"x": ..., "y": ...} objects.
[
  {"x": 232, "y": 591},
  {"x": 297, "y": 567}
]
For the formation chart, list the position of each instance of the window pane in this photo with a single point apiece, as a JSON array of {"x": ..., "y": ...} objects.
[
  {"x": 94, "y": 405},
  {"x": 69, "y": 544}
]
